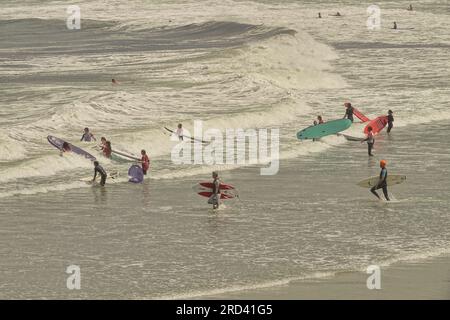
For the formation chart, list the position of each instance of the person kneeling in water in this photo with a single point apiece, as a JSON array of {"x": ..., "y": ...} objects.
[
  {"x": 215, "y": 197},
  {"x": 98, "y": 168},
  {"x": 382, "y": 183}
]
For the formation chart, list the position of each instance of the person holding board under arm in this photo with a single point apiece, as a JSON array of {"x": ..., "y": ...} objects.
[
  {"x": 382, "y": 183},
  {"x": 390, "y": 121},
  {"x": 215, "y": 197}
]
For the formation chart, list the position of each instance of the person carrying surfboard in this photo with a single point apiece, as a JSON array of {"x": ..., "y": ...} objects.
[
  {"x": 390, "y": 121},
  {"x": 87, "y": 136},
  {"x": 107, "y": 149},
  {"x": 99, "y": 169},
  {"x": 215, "y": 197},
  {"x": 145, "y": 161},
  {"x": 348, "y": 111},
  {"x": 370, "y": 140},
  {"x": 382, "y": 183}
]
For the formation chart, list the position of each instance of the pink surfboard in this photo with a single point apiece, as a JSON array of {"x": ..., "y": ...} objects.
[
  {"x": 359, "y": 115},
  {"x": 377, "y": 124}
]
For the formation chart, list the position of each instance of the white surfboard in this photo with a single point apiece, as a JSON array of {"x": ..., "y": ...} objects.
[{"x": 392, "y": 179}]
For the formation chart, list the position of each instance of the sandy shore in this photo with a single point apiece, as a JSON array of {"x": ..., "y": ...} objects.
[{"x": 413, "y": 280}]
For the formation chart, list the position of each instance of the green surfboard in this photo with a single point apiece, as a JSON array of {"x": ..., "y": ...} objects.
[{"x": 324, "y": 129}]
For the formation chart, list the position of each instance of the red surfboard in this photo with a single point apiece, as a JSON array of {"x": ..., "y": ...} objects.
[
  {"x": 377, "y": 124},
  {"x": 360, "y": 116},
  {"x": 205, "y": 189}
]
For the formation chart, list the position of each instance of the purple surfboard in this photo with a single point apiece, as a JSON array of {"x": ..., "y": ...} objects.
[
  {"x": 58, "y": 143},
  {"x": 136, "y": 174}
]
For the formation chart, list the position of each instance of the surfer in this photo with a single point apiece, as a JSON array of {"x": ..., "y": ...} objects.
[
  {"x": 145, "y": 161},
  {"x": 65, "y": 148},
  {"x": 390, "y": 121},
  {"x": 320, "y": 120},
  {"x": 319, "y": 16},
  {"x": 214, "y": 199},
  {"x": 348, "y": 111},
  {"x": 382, "y": 183},
  {"x": 87, "y": 136},
  {"x": 102, "y": 143},
  {"x": 370, "y": 141},
  {"x": 114, "y": 82},
  {"x": 99, "y": 169},
  {"x": 180, "y": 132},
  {"x": 338, "y": 14},
  {"x": 395, "y": 26},
  {"x": 107, "y": 149},
  {"x": 410, "y": 8}
]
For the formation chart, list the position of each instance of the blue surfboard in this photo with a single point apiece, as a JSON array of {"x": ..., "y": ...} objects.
[
  {"x": 58, "y": 143},
  {"x": 136, "y": 174}
]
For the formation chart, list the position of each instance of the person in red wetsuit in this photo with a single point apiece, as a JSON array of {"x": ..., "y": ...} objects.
[
  {"x": 145, "y": 162},
  {"x": 107, "y": 149}
]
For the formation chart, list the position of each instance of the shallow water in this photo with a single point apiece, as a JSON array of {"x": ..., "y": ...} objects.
[{"x": 160, "y": 240}]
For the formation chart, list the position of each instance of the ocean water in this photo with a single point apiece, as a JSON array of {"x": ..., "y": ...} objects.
[{"x": 231, "y": 64}]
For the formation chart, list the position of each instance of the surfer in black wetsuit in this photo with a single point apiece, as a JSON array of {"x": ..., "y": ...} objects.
[
  {"x": 99, "y": 169},
  {"x": 348, "y": 111},
  {"x": 215, "y": 197},
  {"x": 395, "y": 26},
  {"x": 390, "y": 121},
  {"x": 382, "y": 183}
]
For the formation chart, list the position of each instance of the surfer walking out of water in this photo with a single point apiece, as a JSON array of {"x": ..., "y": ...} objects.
[
  {"x": 390, "y": 121},
  {"x": 382, "y": 183},
  {"x": 145, "y": 161},
  {"x": 180, "y": 132},
  {"x": 87, "y": 136},
  {"x": 215, "y": 197},
  {"x": 99, "y": 169},
  {"x": 348, "y": 111},
  {"x": 370, "y": 141}
]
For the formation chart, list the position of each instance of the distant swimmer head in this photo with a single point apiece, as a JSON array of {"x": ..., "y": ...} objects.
[
  {"x": 315, "y": 122},
  {"x": 103, "y": 139},
  {"x": 113, "y": 81},
  {"x": 383, "y": 163},
  {"x": 143, "y": 152},
  {"x": 96, "y": 163},
  {"x": 215, "y": 174}
]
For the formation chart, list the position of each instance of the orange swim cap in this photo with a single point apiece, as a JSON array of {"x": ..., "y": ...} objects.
[{"x": 383, "y": 163}]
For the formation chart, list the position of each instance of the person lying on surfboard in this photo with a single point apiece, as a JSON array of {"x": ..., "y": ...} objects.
[
  {"x": 99, "y": 169},
  {"x": 145, "y": 161},
  {"x": 215, "y": 197},
  {"x": 370, "y": 141},
  {"x": 390, "y": 121},
  {"x": 348, "y": 111},
  {"x": 87, "y": 136},
  {"x": 382, "y": 184}
]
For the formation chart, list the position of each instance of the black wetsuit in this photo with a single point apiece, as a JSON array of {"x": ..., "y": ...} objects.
[
  {"x": 390, "y": 123},
  {"x": 382, "y": 184},
  {"x": 102, "y": 173},
  {"x": 349, "y": 114}
]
